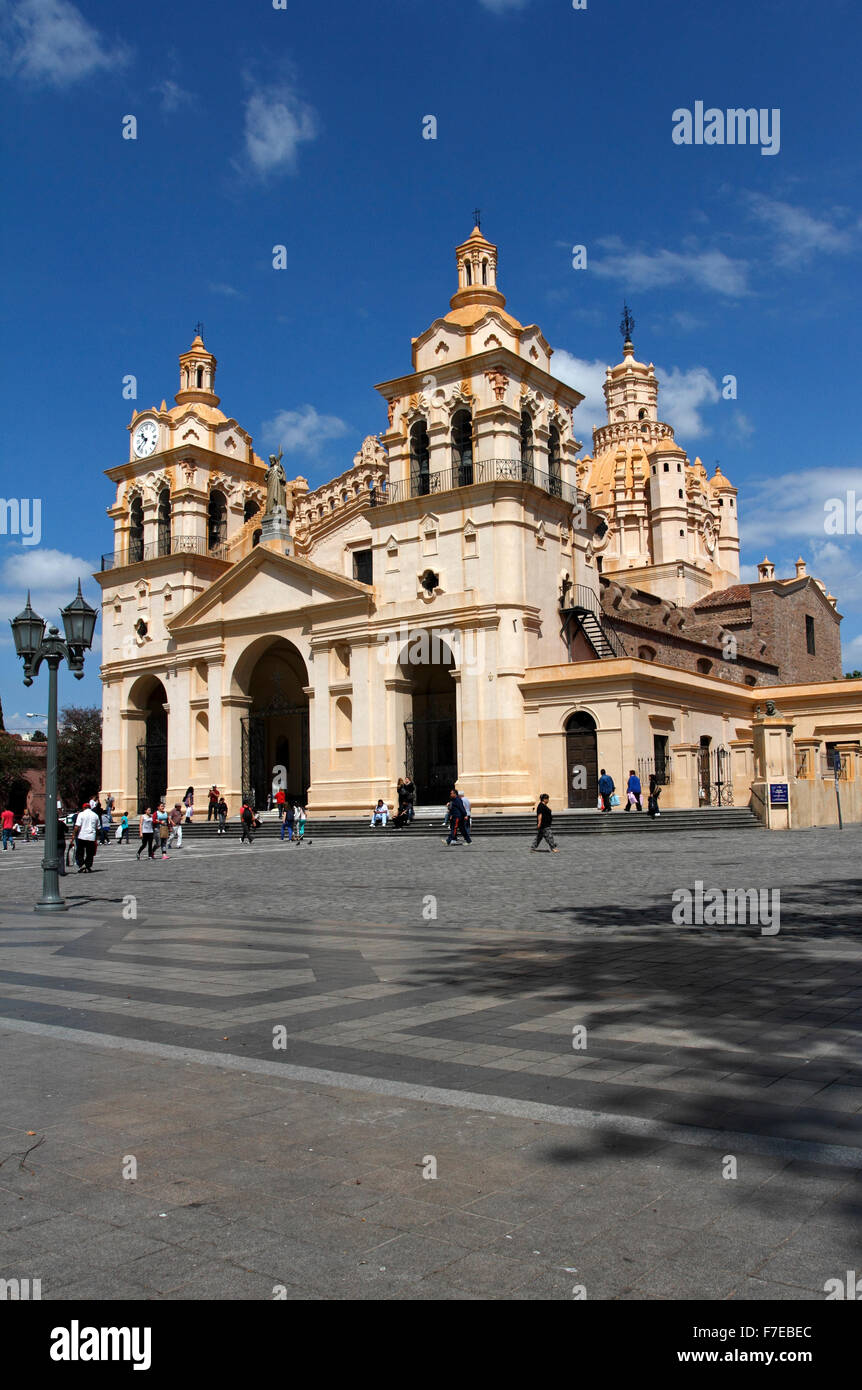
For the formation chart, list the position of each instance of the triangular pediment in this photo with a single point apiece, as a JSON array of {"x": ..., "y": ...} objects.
[{"x": 266, "y": 582}]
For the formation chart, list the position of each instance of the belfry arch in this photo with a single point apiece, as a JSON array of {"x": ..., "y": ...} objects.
[{"x": 273, "y": 676}]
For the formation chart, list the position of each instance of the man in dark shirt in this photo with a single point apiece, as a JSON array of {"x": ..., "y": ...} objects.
[{"x": 544, "y": 816}]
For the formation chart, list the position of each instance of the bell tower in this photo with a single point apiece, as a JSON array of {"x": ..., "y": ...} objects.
[
  {"x": 197, "y": 374},
  {"x": 476, "y": 259}
]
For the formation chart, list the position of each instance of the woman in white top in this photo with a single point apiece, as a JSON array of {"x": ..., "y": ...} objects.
[{"x": 146, "y": 834}]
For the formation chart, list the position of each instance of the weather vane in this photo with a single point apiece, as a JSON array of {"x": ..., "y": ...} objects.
[
  {"x": 627, "y": 324},
  {"x": 477, "y": 213},
  {"x": 199, "y": 329}
]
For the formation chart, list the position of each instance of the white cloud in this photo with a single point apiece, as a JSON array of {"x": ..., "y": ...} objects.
[
  {"x": 172, "y": 94},
  {"x": 791, "y": 507},
  {"x": 588, "y": 378},
  {"x": 302, "y": 431},
  {"x": 52, "y": 578},
  {"x": 707, "y": 270},
  {"x": 227, "y": 290},
  {"x": 51, "y": 39},
  {"x": 682, "y": 394},
  {"x": 681, "y": 398},
  {"x": 797, "y": 233},
  {"x": 503, "y": 6},
  {"x": 276, "y": 124}
]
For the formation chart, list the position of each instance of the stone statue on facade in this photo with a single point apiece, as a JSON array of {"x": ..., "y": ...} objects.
[
  {"x": 276, "y": 487},
  {"x": 275, "y": 525}
]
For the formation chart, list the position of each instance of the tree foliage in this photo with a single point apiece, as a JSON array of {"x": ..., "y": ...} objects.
[
  {"x": 79, "y": 755},
  {"x": 14, "y": 763}
]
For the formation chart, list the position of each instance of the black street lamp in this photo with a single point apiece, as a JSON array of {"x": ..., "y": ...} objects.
[{"x": 34, "y": 647}]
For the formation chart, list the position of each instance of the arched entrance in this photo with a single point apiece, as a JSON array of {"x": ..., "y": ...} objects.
[
  {"x": 431, "y": 741},
  {"x": 582, "y": 761},
  {"x": 150, "y": 697},
  {"x": 275, "y": 730}
]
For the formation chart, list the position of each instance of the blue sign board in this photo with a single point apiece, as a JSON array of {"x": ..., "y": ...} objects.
[{"x": 778, "y": 794}]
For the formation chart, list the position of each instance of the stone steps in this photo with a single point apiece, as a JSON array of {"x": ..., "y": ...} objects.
[{"x": 565, "y": 823}]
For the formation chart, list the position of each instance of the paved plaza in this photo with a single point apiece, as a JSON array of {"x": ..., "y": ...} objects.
[{"x": 381, "y": 1068}]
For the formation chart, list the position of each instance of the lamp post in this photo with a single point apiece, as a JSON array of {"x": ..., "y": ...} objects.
[{"x": 34, "y": 646}]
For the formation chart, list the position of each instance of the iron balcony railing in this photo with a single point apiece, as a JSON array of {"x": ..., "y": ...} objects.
[
  {"x": 660, "y": 768},
  {"x": 180, "y": 545},
  {"x": 422, "y": 484}
]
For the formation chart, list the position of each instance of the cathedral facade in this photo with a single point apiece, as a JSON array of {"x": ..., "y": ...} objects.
[{"x": 471, "y": 599}]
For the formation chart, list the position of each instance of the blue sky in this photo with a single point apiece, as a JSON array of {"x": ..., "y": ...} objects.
[{"x": 303, "y": 126}]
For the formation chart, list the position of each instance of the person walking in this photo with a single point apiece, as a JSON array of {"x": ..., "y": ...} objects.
[
  {"x": 162, "y": 828},
  {"x": 121, "y": 835},
  {"x": 288, "y": 821},
  {"x": 222, "y": 816},
  {"x": 246, "y": 815},
  {"x": 606, "y": 790},
  {"x": 281, "y": 806},
  {"x": 145, "y": 830},
  {"x": 61, "y": 846},
  {"x": 409, "y": 798},
  {"x": 189, "y": 803},
  {"x": 633, "y": 792},
  {"x": 544, "y": 817},
  {"x": 300, "y": 823},
  {"x": 457, "y": 820},
  {"x": 468, "y": 818},
  {"x": 7, "y": 822},
  {"x": 175, "y": 826},
  {"x": 85, "y": 833},
  {"x": 106, "y": 826},
  {"x": 653, "y": 796},
  {"x": 212, "y": 812}
]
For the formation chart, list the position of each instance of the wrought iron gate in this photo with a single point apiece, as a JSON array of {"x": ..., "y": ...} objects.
[
  {"x": 152, "y": 768},
  {"x": 431, "y": 758},
  {"x": 714, "y": 776},
  {"x": 256, "y": 775}
]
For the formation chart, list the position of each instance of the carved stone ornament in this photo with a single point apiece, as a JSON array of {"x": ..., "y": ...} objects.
[{"x": 499, "y": 383}]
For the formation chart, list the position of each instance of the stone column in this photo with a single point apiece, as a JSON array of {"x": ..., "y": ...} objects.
[
  {"x": 683, "y": 788},
  {"x": 741, "y": 769},
  {"x": 775, "y": 764}
]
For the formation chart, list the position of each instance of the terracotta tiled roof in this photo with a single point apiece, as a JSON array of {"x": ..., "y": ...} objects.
[{"x": 737, "y": 593}]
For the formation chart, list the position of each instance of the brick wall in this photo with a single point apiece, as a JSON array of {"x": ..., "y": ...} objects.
[{"x": 779, "y": 618}]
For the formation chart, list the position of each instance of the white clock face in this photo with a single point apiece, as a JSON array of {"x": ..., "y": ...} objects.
[{"x": 145, "y": 439}]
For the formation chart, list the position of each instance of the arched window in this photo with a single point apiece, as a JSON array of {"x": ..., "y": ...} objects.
[
  {"x": 136, "y": 531},
  {"x": 704, "y": 666},
  {"x": 250, "y": 509},
  {"x": 200, "y": 377},
  {"x": 217, "y": 520},
  {"x": 462, "y": 447},
  {"x": 420, "y": 460},
  {"x": 526, "y": 446},
  {"x": 646, "y": 653},
  {"x": 554, "y": 478},
  {"x": 255, "y": 538},
  {"x": 484, "y": 272},
  {"x": 468, "y": 272},
  {"x": 641, "y": 414},
  {"x": 164, "y": 520}
]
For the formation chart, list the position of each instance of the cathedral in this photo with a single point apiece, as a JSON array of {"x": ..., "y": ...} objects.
[{"x": 474, "y": 598}]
